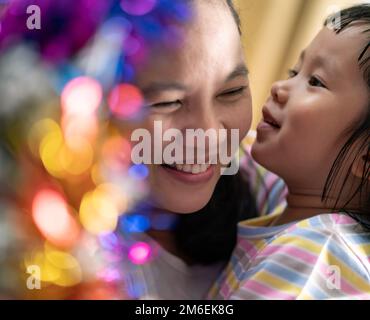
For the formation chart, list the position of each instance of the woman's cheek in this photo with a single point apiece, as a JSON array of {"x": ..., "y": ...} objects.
[{"x": 244, "y": 119}]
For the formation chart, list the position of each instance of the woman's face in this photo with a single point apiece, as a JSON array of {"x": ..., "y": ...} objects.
[{"x": 201, "y": 85}]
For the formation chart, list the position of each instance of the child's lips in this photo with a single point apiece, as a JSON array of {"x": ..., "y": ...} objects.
[
  {"x": 263, "y": 125},
  {"x": 269, "y": 120},
  {"x": 268, "y": 123}
]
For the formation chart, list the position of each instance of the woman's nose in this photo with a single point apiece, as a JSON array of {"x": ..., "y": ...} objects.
[
  {"x": 206, "y": 121},
  {"x": 280, "y": 92},
  {"x": 203, "y": 115},
  {"x": 206, "y": 124}
]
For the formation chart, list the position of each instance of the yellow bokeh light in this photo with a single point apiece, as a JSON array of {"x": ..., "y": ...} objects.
[
  {"x": 62, "y": 158},
  {"x": 38, "y": 131},
  {"x": 49, "y": 151},
  {"x": 96, "y": 174},
  {"x": 98, "y": 213},
  {"x": 68, "y": 265},
  {"x": 117, "y": 196},
  {"x": 76, "y": 157},
  {"x": 56, "y": 267},
  {"x": 48, "y": 272}
]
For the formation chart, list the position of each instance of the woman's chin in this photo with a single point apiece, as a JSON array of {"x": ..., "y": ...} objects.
[
  {"x": 176, "y": 194},
  {"x": 184, "y": 204}
]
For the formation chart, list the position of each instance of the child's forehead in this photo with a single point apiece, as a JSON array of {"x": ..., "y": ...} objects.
[
  {"x": 353, "y": 38},
  {"x": 344, "y": 47}
]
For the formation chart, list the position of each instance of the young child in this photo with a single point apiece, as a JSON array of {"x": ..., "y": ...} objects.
[{"x": 315, "y": 134}]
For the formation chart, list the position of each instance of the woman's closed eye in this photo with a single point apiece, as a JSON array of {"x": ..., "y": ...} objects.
[
  {"x": 233, "y": 92},
  {"x": 166, "y": 104}
]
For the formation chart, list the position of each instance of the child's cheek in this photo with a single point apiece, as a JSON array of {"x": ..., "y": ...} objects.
[{"x": 302, "y": 129}]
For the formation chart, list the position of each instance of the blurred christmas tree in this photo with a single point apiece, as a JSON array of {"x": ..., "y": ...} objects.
[{"x": 65, "y": 173}]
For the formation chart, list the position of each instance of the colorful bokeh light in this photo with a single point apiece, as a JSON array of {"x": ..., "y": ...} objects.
[
  {"x": 134, "y": 223},
  {"x": 138, "y": 7},
  {"x": 140, "y": 253},
  {"x": 116, "y": 153},
  {"x": 125, "y": 101},
  {"x": 138, "y": 172},
  {"x": 52, "y": 217},
  {"x": 64, "y": 158},
  {"x": 56, "y": 266},
  {"x": 81, "y": 96},
  {"x": 98, "y": 212},
  {"x": 76, "y": 157}
]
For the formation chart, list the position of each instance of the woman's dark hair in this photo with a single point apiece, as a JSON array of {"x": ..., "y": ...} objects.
[
  {"x": 356, "y": 15},
  {"x": 209, "y": 235},
  {"x": 235, "y": 15}
]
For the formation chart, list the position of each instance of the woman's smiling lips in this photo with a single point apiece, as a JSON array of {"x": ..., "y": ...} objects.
[{"x": 190, "y": 177}]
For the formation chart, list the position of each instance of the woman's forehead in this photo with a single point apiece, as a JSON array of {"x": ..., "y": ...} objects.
[{"x": 208, "y": 44}]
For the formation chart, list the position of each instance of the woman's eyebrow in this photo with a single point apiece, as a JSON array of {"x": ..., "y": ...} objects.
[
  {"x": 156, "y": 87},
  {"x": 159, "y": 86},
  {"x": 240, "y": 71}
]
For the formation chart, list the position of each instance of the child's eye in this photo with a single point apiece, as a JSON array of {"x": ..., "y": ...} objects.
[
  {"x": 316, "y": 82},
  {"x": 167, "y": 104},
  {"x": 292, "y": 73}
]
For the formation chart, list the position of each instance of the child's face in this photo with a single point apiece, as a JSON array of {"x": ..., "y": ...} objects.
[{"x": 315, "y": 110}]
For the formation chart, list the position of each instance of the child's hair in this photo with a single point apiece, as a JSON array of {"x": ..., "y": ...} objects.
[{"x": 356, "y": 15}]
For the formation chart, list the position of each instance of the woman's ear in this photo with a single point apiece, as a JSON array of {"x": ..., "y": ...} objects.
[{"x": 360, "y": 164}]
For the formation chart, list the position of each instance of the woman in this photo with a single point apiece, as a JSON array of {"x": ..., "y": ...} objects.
[{"x": 203, "y": 84}]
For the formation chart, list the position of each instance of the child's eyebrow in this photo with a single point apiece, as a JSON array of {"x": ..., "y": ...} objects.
[{"x": 328, "y": 65}]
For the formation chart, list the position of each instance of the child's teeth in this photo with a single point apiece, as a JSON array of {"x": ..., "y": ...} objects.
[{"x": 187, "y": 168}]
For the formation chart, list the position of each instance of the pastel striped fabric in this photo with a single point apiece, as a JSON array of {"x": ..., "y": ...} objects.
[{"x": 324, "y": 257}]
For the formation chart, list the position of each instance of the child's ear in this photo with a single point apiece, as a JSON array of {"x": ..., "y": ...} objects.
[{"x": 361, "y": 162}]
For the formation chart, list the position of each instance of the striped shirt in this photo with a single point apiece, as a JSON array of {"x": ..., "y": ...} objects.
[{"x": 323, "y": 257}]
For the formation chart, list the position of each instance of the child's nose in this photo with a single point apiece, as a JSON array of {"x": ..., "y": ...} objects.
[{"x": 279, "y": 92}]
